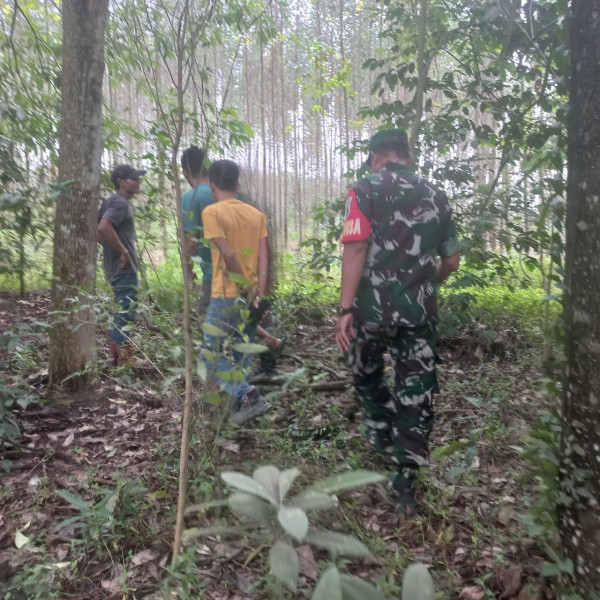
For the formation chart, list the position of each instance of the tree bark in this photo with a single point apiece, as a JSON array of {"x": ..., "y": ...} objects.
[
  {"x": 580, "y": 450},
  {"x": 72, "y": 351},
  {"x": 423, "y": 69}
]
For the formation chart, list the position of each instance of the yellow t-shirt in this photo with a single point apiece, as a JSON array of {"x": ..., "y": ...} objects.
[{"x": 242, "y": 226}]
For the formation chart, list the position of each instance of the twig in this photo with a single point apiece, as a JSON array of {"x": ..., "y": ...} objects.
[{"x": 321, "y": 386}]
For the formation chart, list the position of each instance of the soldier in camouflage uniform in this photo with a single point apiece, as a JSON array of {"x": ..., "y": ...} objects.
[{"x": 395, "y": 225}]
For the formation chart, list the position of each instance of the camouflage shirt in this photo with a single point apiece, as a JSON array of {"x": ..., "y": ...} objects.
[{"x": 407, "y": 222}]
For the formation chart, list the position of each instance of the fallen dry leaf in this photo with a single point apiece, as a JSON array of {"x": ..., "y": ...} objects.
[
  {"x": 308, "y": 565},
  {"x": 243, "y": 583},
  {"x": 68, "y": 440},
  {"x": 143, "y": 557},
  {"x": 507, "y": 514},
  {"x": 473, "y": 592},
  {"x": 509, "y": 581},
  {"x": 231, "y": 446},
  {"x": 485, "y": 563},
  {"x": 116, "y": 583}
]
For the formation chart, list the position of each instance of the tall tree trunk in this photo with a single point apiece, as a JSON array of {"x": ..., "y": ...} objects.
[
  {"x": 423, "y": 68},
  {"x": 74, "y": 265},
  {"x": 284, "y": 144},
  {"x": 262, "y": 125},
  {"x": 580, "y": 450},
  {"x": 344, "y": 127}
]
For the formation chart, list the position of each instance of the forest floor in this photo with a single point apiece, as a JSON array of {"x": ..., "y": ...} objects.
[{"x": 114, "y": 453}]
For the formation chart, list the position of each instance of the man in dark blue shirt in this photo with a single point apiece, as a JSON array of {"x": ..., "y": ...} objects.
[
  {"x": 193, "y": 202},
  {"x": 116, "y": 232}
]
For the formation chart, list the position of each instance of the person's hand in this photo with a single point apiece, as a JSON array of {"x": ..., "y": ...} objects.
[
  {"x": 256, "y": 304},
  {"x": 125, "y": 259},
  {"x": 344, "y": 331}
]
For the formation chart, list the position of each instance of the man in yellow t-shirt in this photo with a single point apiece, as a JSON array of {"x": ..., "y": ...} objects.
[{"x": 240, "y": 261}]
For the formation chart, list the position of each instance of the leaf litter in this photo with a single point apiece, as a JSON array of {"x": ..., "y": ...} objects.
[{"x": 131, "y": 432}]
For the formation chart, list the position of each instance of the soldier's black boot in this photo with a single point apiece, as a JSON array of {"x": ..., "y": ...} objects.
[{"x": 405, "y": 485}]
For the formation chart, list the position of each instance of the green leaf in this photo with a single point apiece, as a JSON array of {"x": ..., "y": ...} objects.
[
  {"x": 315, "y": 501},
  {"x": 21, "y": 540},
  {"x": 199, "y": 508},
  {"x": 268, "y": 477},
  {"x": 250, "y": 506},
  {"x": 212, "y": 398},
  {"x": 248, "y": 348},
  {"x": 355, "y": 588},
  {"x": 551, "y": 570},
  {"x": 417, "y": 583},
  {"x": 329, "y": 586},
  {"x": 233, "y": 375},
  {"x": 247, "y": 484},
  {"x": 285, "y": 564},
  {"x": 201, "y": 370},
  {"x": 286, "y": 480},
  {"x": 474, "y": 401},
  {"x": 211, "y": 329},
  {"x": 294, "y": 521},
  {"x": 338, "y": 543},
  {"x": 73, "y": 499},
  {"x": 346, "y": 481},
  {"x": 239, "y": 279},
  {"x": 196, "y": 532},
  {"x": 111, "y": 503}
]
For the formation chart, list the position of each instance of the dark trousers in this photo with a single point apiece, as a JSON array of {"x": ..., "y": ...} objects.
[
  {"x": 125, "y": 289},
  {"x": 398, "y": 422}
]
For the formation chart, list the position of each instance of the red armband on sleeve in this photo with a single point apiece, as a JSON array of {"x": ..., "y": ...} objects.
[{"x": 356, "y": 226}]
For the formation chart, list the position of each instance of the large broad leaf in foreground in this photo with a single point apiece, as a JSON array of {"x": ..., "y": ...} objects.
[
  {"x": 329, "y": 586},
  {"x": 346, "y": 481},
  {"x": 337, "y": 542},
  {"x": 285, "y": 564},
  {"x": 417, "y": 583}
]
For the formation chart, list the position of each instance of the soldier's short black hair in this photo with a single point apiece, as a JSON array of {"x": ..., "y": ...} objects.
[
  {"x": 192, "y": 161},
  {"x": 225, "y": 175}
]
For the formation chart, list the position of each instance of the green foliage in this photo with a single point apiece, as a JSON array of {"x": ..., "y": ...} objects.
[
  {"x": 110, "y": 519},
  {"x": 417, "y": 583},
  {"x": 184, "y": 579},
  {"x": 11, "y": 397},
  {"x": 24, "y": 216},
  {"x": 16, "y": 395},
  {"x": 540, "y": 450},
  {"x": 165, "y": 284},
  {"x": 41, "y": 581},
  {"x": 296, "y": 289},
  {"x": 262, "y": 500}
]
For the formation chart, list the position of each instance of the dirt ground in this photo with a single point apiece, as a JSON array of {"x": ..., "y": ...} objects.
[{"x": 117, "y": 446}]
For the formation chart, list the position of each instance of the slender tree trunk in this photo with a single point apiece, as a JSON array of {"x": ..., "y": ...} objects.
[
  {"x": 262, "y": 125},
  {"x": 423, "y": 68},
  {"x": 580, "y": 450},
  {"x": 72, "y": 350},
  {"x": 284, "y": 143}
]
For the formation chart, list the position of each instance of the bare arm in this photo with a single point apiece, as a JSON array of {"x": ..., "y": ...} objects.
[
  {"x": 232, "y": 264},
  {"x": 190, "y": 248},
  {"x": 446, "y": 266},
  {"x": 263, "y": 266},
  {"x": 106, "y": 233},
  {"x": 353, "y": 263}
]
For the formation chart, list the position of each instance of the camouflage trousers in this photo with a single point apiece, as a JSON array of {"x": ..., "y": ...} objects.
[{"x": 398, "y": 423}]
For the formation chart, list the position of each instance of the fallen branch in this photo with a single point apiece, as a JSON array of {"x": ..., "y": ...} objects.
[
  {"x": 330, "y": 386},
  {"x": 152, "y": 326},
  {"x": 320, "y": 386}
]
